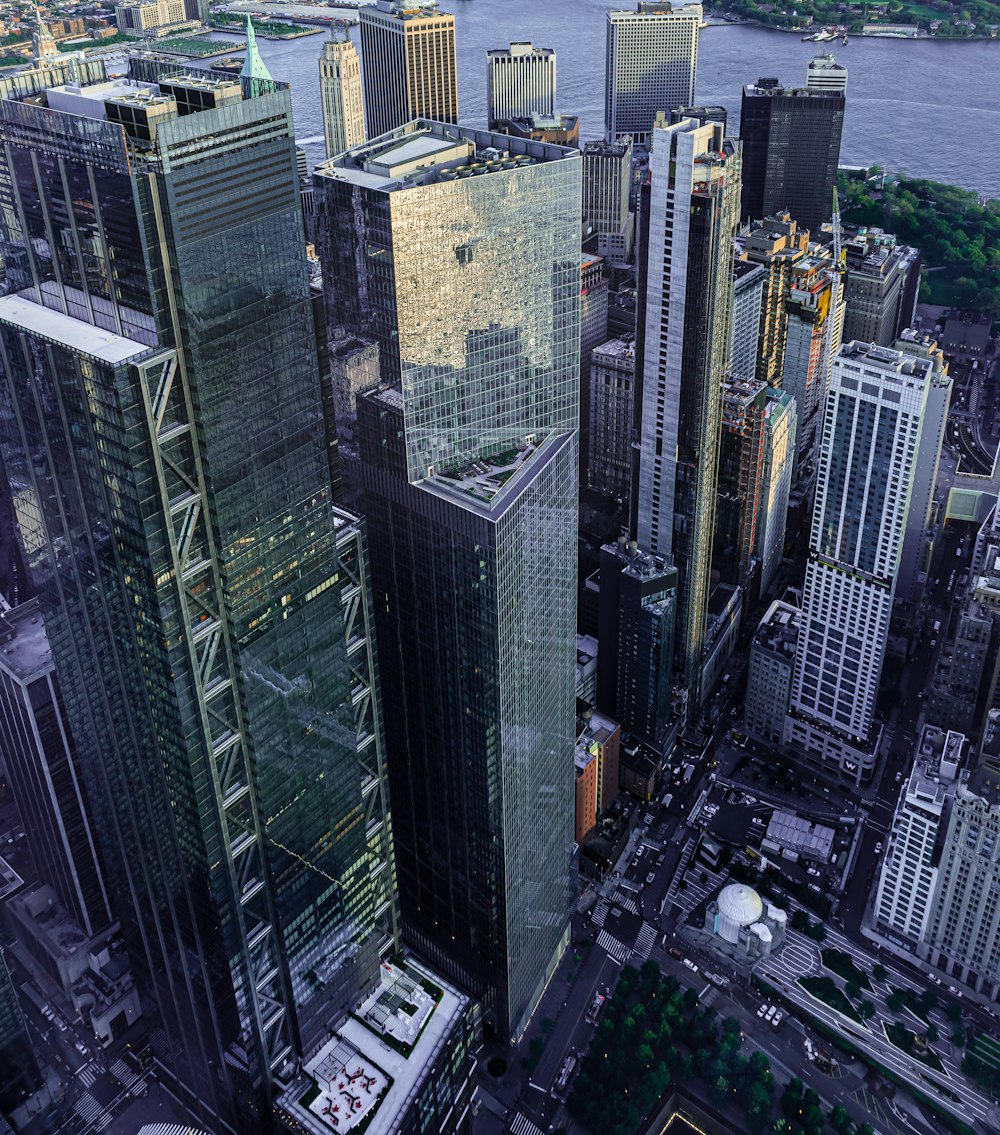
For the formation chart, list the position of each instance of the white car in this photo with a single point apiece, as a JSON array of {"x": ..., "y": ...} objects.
[
  {"x": 689, "y": 965},
  {"x": 763, "y": 1009},
  {"x": 777, "y": 1018}
]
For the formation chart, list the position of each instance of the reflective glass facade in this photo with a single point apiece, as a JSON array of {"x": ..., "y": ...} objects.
[
  {"x": 469, "y": 281},
  {"x": 206, "y": 603}
]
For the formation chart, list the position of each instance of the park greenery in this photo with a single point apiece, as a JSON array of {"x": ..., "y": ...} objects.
[
  {"x": 654, "y": 1035},
  {"x": 951, "y": 19},
  {"x": 843, "y": 965},
  {"x": 957, "y": 232},
  {"x": 903, "y": 1039},
  {"x": 825, "y": 989}
]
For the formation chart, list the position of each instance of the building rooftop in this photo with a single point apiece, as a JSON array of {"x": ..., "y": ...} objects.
[
  {"x": 424, "y": 152},
  {"x": 815, "y": 841},
  {"x": 622, "y": 348},
  {"x": 24, "y": 646},
  {"x": 364, "y": 1081},
  {"x": 96, "y": 342}
]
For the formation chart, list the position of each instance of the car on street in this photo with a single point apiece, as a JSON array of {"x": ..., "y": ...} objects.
[
  {"x": 650, "y": 877},
  {"x": 878, "y": 847},
  {"x": 689, "y": 965}
]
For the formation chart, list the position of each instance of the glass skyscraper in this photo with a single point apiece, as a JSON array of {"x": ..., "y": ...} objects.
[
  {"x": 458, "y": 251},
  {"x": 690, "y": 206},
  {"x": 205, "y": 602}
]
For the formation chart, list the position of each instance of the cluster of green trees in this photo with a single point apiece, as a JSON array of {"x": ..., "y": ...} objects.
[
  {"x": 652, "y": 1036},
  {"x": 801, "y": 1111},
  {"x": 955, "y": 230},
  {"x": 953, "y": 17},
  {"x": 802, "y": 922}
]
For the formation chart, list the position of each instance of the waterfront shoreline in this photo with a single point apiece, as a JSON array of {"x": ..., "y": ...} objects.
[{"x": 835, "y": 42}]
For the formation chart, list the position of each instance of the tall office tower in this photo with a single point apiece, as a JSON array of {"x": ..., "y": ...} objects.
[
  {"x": 777, "y": 243},
  {"x": 607, "y": 178},
  {"x": 744, "y": 336},
  {"x": 594, "y": 289},
  {"x": 812, "y": 340},
  {"x": 20, "y": 1077},
  {"x": 520, "y": 82},
  {"x": 650, "y": 64},
  {"x": 470, "y": 468},
  {"x": 40, "y": 763},
  {"x": 408, "y": 55},
  {"x": 741, "y": 466},
  {"x": 689, "y": 210},
  {"x": 777, "y": 459},
  {"x": 341, "y": 96},
  {"x": 963, "y": 932},
  {"x": 915, "y": 557},
  {"x": 871, "y": 432},
  {"x": 770, "y": 673},
  {"x": 881, "y": 285},
  {"x": 824, "y": 73},
  {"x": 908, "y": 879},
  {"x": 612, "y": 413},
  {"x": 636, "y": 617},
  {"x": 791, "y": 150},
  {"x": 202, "y": 614}
]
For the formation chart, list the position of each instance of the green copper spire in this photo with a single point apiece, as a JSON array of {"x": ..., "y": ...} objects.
[{"x": 253, "y": 65}]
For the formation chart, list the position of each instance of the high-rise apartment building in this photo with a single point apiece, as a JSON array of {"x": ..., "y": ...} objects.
[
  {"x": 204, "y": 601},
  {"x": 908, "y": 879},
  {"x": 594, "y": 305},
  {"x": 636, "y": 617},
  {"x": 689, "y": 209},
  {"x": 40, "y": 763},
  {"x": 650, "y": 65},
  {"x": 341, "y": 95},
  {"x": 744, "y": 337},
  {"x": 607, "y": 180},
  {"x": 149, "y": 17},
  {"x": 741, "y": 468},
  {"x": 824, "y": 73},
  {"x": 408, "y": 57},
  {"x": 520, "y": 82},
  {"x": 813, "y": 322},
  {"x": 962, "y": 937},
  {"x": 881, "y": 286},
  {"x": 915, "y": 556},
  {"x": 791, "y": 150},
  {"x": 470, "y": 466},
  {"x": 777, "y": 460},
  {"x": 612, "y": 411},
  {"x": 771, "y": 672},
  {"x": 871, "y": 433},
  {"x": 777, "y": 244}
]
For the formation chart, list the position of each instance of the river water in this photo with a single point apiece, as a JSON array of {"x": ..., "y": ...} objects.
[{"x": 927, "y": 108}]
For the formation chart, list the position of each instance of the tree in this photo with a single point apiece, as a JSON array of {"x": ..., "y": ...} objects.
[
  {"x": 866, "y": 1010},
  {"x": 840, "y": 1119},
  {"x": 853, "y": 989},
  {"x": 932, "y": 1033},
  {"x": 879, "y": 972},
  {"x": 896, "y": 1000}
]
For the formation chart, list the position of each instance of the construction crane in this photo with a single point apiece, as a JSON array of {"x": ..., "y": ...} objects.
[{"x": 838, "y": 252}]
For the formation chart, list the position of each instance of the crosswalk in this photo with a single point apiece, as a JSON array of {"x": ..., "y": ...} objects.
[
  {"x": 645, "y": 941},
  {"x": 522, "y": 1125},
  {"x": 87, "y": 1108},
  {"x": 626, "y": 902},
  {"x": 123, "y": 1074},
  {"x": 88, "y": 1075},
  {"x": 611, "y": 945},
  {"x": 600, "y": 913}
]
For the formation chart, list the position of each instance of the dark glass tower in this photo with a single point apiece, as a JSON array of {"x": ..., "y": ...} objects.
[
  {"x": 791, "y": 150},
  {"x": 458, "y": 252},
  {"x": 200, "y": 592}
]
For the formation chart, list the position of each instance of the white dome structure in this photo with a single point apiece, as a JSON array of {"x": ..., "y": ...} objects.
[{"x": 739, "y": 906}]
